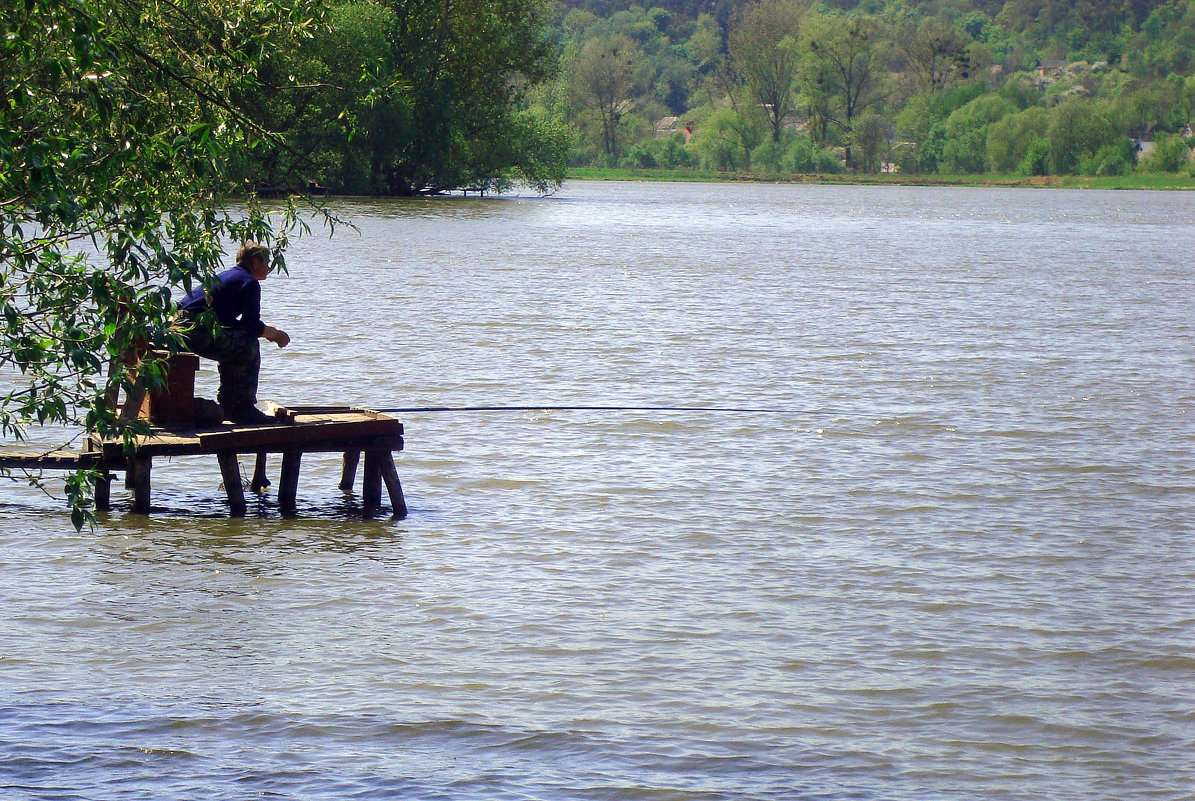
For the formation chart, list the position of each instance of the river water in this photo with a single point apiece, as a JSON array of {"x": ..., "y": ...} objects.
[{"x": 954, "y": 563}]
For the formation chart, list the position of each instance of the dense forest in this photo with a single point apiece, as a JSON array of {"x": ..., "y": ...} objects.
[
  {"x": 951, "y": 86},
  {"x": 408, "y": 97},
  {"x": 416, "y": 96}
]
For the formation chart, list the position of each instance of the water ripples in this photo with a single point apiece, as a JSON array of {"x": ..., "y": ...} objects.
[{"x": 957, "y": 565}]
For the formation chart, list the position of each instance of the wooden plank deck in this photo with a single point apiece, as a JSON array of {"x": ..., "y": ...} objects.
[
  {"x": 298, "y": 430},
  {"x": 46, "y": 460},
  {"x": 322, "y": 430}
]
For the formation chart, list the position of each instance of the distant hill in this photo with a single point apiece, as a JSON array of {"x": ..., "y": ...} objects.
[
  {"x": 1032, "y": 87},
  {"x": 1040, "y": 20}
]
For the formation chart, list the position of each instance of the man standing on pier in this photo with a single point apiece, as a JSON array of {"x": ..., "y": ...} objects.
[{"x": 235, "y": 299}]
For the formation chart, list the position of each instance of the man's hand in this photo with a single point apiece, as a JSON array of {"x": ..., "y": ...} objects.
[{"x": 277, "y": 336}]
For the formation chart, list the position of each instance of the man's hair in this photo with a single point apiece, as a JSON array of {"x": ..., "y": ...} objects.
[{"x": 250, "y": 250}]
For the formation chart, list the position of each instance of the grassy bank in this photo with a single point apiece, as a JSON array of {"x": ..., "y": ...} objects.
[{"x": 1148, "y": 181}]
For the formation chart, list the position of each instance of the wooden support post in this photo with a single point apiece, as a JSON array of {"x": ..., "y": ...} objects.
[
  {"x": 230, "y": 471},
  {"x": 371, "y": 483},
  {"x": 393, "y": 486},
  {"x": 260, "y": 480},
  {"x": 138, "y": 471},
  {"x": 103, "y": 490},
  {"x": 288, "y": 483},
  {"x": 348, "y": 474}
]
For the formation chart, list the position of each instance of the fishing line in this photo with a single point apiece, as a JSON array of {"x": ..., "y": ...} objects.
[{"x": 733, "y": 409}]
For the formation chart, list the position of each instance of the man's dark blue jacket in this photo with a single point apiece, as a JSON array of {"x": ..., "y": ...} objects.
[{"x": 235, "y": 298}]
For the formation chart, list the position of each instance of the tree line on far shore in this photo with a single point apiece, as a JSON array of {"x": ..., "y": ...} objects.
[
  {"x": 1025, "y": 87},
  {"x": 405, "y": 97}
]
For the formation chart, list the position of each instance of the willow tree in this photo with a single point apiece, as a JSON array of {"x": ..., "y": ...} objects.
[
  {"x": 117, "y": 126},
  {"x": 604, "y": 81},
  {"x": 845, "y": 62},
  {"x": 934, "y": 51},
  {"x": 328, "y": 100},
  {"x": 763, "y": 51},
  {"x": 458, "y": 71},
  {"x": 410, "y": 97}
]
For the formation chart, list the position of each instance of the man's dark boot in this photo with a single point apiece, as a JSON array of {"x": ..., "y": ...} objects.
[{"x": 249, "y": 415}]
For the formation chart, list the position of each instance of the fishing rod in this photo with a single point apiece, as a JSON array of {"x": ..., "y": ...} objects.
[{"x": 541, "y": 408}]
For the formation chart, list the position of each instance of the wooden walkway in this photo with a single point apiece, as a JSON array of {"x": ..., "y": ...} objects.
[{"x": 297, "y": 430}]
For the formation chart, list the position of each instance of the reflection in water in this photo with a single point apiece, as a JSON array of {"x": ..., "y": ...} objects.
[
  {"x": 248, "y": 540},
  {"x": 960, "y": 568}
]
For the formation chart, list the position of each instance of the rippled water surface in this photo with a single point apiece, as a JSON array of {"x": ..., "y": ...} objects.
[{"x": 957, "y": 564}]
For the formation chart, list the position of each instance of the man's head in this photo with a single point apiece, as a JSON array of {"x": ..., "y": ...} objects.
[{"x": 255, "y": 258}]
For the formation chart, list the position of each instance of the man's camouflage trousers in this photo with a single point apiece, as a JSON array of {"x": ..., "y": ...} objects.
[{"x": 238, "y": 354}]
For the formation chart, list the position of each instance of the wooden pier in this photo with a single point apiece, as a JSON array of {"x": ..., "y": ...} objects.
[{"x": 294, "y": 431}]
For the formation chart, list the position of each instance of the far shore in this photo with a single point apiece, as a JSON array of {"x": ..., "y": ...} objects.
[{"x": 1165, "y": 181}]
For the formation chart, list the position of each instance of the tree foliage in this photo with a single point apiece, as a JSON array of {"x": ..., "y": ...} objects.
[
  {"x": 845, "y": 57},
  {"x": 1010, "y": 138},
  {"x": 117, "y": 127},
  {"x": 726, "y": 139},
  {"x": 604, "y": 78},
  {"x": 1077, "y": 130},
  {"x": 966, "y": 132},
  {"x": 935, "y": 51},
  {"x": 462, "y": 65},
  {"x": 407, "y": 97},
  {"x": 887, "y": 76},
  {"x": 763, "y": 48}
]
